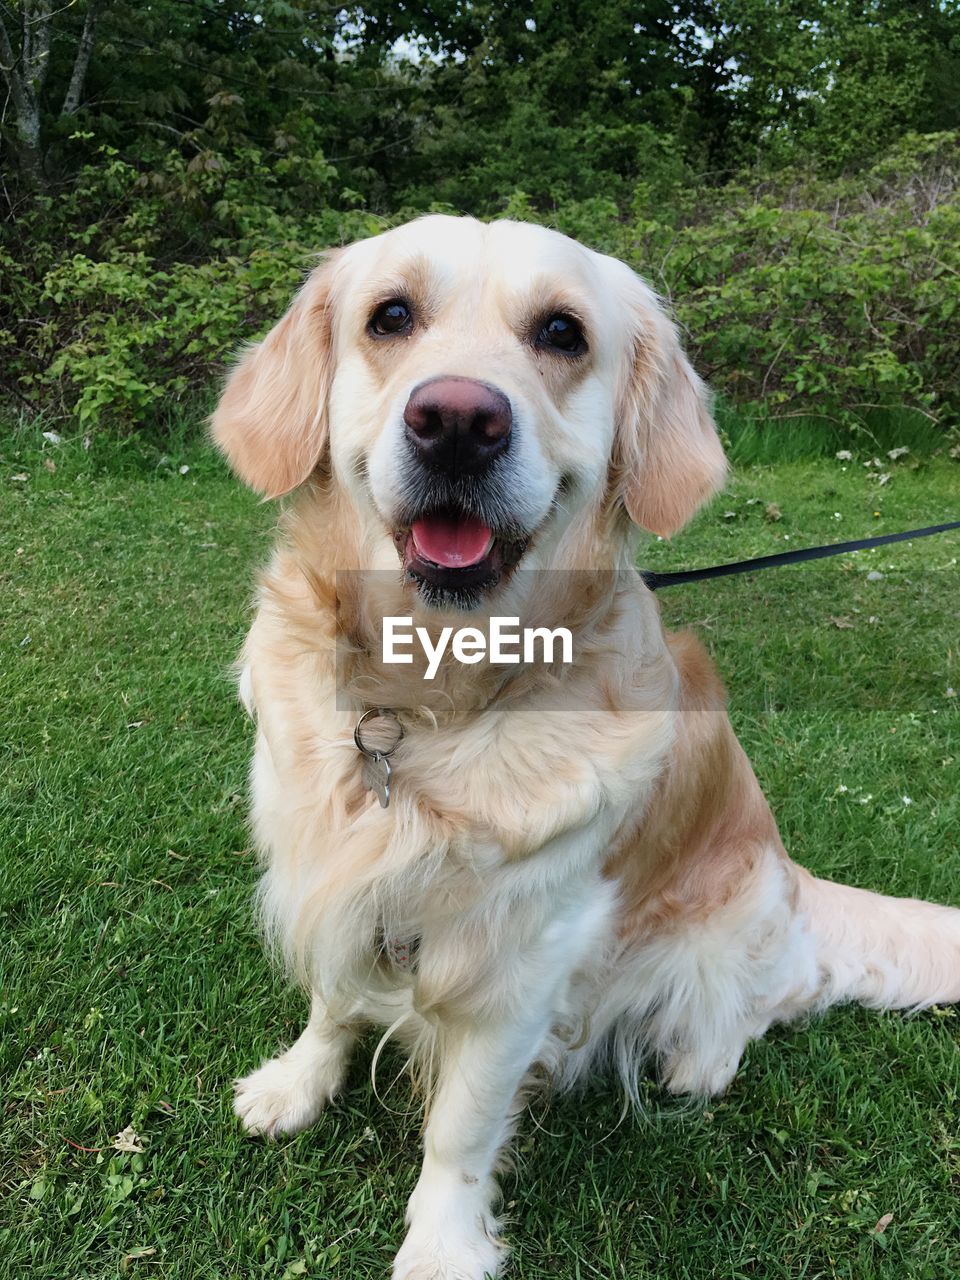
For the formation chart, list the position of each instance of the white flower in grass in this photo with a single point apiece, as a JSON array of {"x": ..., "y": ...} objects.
[
  {"x": 900, "y": 452},
  {"x": 906, "y": 800},
  {"x": 844, "y": 455},
  {"x": 184, "y": 469}
]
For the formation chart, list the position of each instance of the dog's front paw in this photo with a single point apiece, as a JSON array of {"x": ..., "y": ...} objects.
[
  {"x": 452, "y": 1233},
  {"x": 698, "y": 1074},
  {"x": 450, "y": 1236},
  {"x": 446, "y": 1255},
  {"x": 287, "y": 1093}
]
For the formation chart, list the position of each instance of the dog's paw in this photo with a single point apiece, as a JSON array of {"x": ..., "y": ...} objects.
[
  {"x": 442, "y": 1255},
  {"x": 285, "y": 1095},
  {"x": 702, "y": 1077}
]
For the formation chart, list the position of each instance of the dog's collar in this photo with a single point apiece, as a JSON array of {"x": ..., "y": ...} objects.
[{"x": 376, "y": 770}]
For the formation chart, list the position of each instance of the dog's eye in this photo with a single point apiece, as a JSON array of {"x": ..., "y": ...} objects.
[
  {"x": 391, "y": 318},
  {"x": 562, "y": 333}
]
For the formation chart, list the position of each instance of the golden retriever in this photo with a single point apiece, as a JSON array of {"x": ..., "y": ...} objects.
[{"x": 576, "y": 864}]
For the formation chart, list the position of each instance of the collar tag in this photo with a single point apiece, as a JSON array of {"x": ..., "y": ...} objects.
[
  {"x": 401, "y": 953},
  {"x": 376, "y": 742}
]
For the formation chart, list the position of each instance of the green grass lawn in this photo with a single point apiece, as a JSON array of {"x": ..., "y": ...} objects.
[{"x": 134, "y": 987}]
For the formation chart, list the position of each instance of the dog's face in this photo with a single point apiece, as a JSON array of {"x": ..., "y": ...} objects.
[{"x": 478, "y": 392}]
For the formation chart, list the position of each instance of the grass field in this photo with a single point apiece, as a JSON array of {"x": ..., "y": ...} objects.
[{"x": 134, "y": 986}]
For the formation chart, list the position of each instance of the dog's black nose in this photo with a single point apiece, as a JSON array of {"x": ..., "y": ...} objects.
[{"x": 458, "y": 424}]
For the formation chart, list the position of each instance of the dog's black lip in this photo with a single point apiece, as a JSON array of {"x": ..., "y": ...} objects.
[
  {"x": 463, "y": 585},
  {"x": 503, "y": 553},
  {"x": 484, "y": 572}
]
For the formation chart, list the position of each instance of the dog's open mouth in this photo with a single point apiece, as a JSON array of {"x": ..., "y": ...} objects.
[{"x": 455, "y": 558}]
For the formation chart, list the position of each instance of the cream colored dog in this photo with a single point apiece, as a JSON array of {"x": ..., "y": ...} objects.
[{"x": 574, "y": 865}]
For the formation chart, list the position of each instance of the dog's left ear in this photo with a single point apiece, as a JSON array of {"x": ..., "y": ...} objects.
[
  {"x": 669, "y": 456},
  {"x": 271, "y": 422}
]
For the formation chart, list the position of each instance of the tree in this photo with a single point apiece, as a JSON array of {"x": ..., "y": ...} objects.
[
  {"x": 832, "y": 82},
  {"x": 26, "y": 71}
]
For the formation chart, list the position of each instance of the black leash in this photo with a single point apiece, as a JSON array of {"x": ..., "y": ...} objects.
[{"x": 655, "y": 581}]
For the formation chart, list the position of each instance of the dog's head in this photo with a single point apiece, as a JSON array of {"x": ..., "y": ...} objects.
[{"x": 480, "y": 393}]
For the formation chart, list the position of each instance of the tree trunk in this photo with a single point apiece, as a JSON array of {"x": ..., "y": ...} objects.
[
  {"x": 26, "y": 74},
  {"x": 25, "y": 88},
  {"x": 82, "y": 60}
]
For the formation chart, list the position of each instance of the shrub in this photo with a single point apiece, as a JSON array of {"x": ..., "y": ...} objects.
[
  {"x": 104, "y": 321},
  {"x": 834, "y": 297},
  {"x": 846, "y": 300}
]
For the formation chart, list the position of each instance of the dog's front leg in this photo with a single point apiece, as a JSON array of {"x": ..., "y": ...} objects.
[
  {"x": 485, "y": 1054},
  {"x": 288, "y": 1093},
  {"x": 452, "y": 1232}
]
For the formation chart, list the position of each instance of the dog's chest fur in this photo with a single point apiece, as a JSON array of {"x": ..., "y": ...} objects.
[{"x": 519, "y": 802}]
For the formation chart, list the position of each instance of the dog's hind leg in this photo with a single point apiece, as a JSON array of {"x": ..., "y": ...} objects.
[
  {"x": 887, "y": 953},
  {"x": 288, "y": 1092},
  {"x": 699, "y": 982},
  {"x": 789, "y": 944},
  {"x": 769, "y": 961}
]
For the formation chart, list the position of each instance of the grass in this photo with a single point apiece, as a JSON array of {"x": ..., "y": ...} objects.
[
  {"x": 134, "y": 986},
  {"x": 756, "y": 437}
]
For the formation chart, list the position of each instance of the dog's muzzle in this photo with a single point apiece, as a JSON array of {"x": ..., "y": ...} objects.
[{"x": 457, "y": 534}]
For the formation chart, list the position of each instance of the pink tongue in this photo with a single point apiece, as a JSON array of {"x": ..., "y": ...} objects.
[{"x": 455, "y": 544}]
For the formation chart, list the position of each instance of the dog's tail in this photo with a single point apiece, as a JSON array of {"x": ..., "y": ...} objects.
[{"x": 888, "y": 953}]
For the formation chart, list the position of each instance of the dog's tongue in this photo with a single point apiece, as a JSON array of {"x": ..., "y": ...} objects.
[{"x": 453, "y": 543}]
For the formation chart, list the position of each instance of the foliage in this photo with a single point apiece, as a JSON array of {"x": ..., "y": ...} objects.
[
  {"x": 839, "y": 294},
  {"x": 104, "y": 326},
  {"x": 783, "y": 170}
]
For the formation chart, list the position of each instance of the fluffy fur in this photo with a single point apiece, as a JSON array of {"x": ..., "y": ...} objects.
[{"x": 584, "y": 856}]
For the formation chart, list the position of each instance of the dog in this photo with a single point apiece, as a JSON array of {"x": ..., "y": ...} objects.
[{"x": 568, "y": 868}]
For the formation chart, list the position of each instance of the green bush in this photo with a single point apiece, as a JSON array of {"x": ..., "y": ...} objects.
[
  {"x": 845, "y": 302},
  {"x": 834, "y": 297},
  {"x": 102, "y": 322}
]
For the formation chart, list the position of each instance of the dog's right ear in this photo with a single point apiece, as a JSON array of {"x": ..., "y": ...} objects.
[
  {"x": 271, "y": 422},
  {"x": 670, "y": 459}
]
